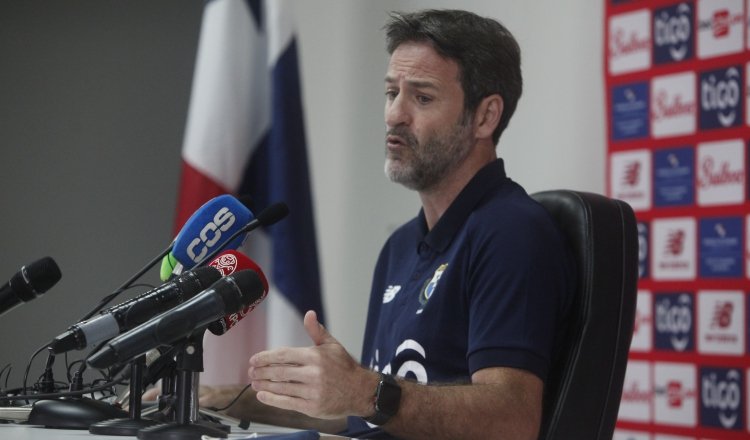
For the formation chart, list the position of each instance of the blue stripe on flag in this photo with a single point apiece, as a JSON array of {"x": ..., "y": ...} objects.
[{"x": 278, "y": 171}]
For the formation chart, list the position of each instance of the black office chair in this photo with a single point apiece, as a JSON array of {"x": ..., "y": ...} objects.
[{"x": 583, "y": 390}]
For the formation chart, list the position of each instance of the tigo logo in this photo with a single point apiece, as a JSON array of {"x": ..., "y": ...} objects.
[
  {"x": 721, "y": 98},
  {"x": 721, "y": 398},
  {"x": 673, "y": 33},
  {"x": 674, "y": 321}
]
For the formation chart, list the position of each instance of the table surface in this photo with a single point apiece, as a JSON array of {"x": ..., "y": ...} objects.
[{"x": 13, "y": 431}]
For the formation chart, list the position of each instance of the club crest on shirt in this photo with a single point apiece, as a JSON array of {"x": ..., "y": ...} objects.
[{"x": 430, "y": 286}]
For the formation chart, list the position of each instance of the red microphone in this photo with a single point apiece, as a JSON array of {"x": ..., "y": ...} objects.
[{"x": 227, "y": 263}]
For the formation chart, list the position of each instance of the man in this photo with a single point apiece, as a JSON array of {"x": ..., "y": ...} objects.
[{"x": 469, "y": 294}]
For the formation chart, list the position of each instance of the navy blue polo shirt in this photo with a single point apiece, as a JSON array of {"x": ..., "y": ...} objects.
[{"x": 488, "y": 286}]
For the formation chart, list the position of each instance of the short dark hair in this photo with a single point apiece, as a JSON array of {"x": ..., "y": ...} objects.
[{"x": 487, "y": 55}]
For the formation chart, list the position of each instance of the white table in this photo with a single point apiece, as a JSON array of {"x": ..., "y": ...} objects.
[{"x": 11, "y": 431}]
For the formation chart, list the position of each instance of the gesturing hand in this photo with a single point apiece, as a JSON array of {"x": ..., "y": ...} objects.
[{"x": 321, "y": 381}]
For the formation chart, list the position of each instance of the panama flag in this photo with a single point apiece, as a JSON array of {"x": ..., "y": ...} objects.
[{"x": 245, "y": 135}]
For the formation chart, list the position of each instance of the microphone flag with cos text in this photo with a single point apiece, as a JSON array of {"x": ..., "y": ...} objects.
[{"x": 245, "y": 135}]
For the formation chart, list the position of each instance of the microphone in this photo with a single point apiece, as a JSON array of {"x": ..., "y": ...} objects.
[
  {"x": 171, "y": 267},
  {"x": 267, "y": 217},
  {"x": 168, "y": 265},
  {"x": 31, "y": 281},
  {"x": 125, "y": 316},
  {"x": 225, "y": 296},
  {"x": 209, "y": 228},
  {"x": 228, "y": 263},
  {"x": 204, "y": 230}
]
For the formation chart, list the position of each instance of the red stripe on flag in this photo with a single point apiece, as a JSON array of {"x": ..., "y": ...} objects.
[{"x": 195, "y": 189}]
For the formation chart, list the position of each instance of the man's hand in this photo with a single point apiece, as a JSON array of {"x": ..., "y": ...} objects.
[{"x": 321, "y": 381}]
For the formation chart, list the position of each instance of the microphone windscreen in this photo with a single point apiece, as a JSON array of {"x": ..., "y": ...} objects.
[
  {"x": 228, "y": 263},
  {"x": 43, "y": 274},
  {"x": 209, "y": 227},
  {"x": 35, "y": 278},
  {"x": 273, "y": 213},
  {"x": 168, "y": 264},
  {"x": 239, "y": 290}
]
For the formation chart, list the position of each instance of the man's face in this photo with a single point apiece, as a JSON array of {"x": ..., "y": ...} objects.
[{"x": 428, "y": 134}]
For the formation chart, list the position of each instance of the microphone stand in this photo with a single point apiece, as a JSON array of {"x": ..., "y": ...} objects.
[
  {"x": 70, "y": 412},
  {"x": 131, "y": 425},
  {"x": 187, "y": 425}
]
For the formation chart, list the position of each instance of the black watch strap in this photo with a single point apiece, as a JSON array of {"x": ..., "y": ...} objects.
[{"x": 387, "y": 400}]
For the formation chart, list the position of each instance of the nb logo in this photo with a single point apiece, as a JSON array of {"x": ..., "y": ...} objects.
[{"x": 210, "y": 234}]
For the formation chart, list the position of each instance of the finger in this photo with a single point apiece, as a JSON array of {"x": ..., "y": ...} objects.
[
  {"x": 284, "y": 373},
  {"x": 318, "y": 334},
  {"x": 289, "y": 389},
  {"x": 278, "y": 356},
  {"x": 283, "y": 402}
]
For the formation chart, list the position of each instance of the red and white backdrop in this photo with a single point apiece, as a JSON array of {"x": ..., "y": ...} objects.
[{"x": 677, "y": 76}]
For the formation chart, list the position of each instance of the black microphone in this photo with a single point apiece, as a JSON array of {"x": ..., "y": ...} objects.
[
  {"x": 31, "y": 281},
  {"x": 267, "y": 217},
  {"x": 228, "y": 295},
  {"x": 127, "y": 315}
]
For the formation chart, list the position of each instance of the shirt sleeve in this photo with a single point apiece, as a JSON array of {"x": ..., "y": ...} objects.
[{"x": 516, "y": 292}]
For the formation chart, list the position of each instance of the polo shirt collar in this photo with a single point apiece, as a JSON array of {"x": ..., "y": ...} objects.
[{"x": 485, "y": 180}]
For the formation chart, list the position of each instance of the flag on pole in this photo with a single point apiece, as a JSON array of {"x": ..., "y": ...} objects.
[{"x": 245, "y": 135}]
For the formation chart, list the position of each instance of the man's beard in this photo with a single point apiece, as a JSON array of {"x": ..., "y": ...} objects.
[{"x": 424, "y": 165}]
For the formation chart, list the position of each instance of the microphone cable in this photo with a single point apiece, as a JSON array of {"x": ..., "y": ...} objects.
[{"x": 92, "y": 390}]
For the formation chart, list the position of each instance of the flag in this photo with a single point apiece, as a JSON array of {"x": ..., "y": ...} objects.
[{"x": 245, "y": 135}]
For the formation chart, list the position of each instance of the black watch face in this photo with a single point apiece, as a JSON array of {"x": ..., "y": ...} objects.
[{"x": 389, "y": 397}]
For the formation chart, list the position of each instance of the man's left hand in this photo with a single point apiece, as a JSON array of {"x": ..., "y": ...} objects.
[{"x": 322, "y": 381}]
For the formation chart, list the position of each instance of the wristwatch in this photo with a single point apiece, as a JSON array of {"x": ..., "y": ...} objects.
[{"x": 387, "y": 400}]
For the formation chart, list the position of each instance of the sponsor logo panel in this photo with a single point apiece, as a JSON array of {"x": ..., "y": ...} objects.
[
  {"x": 721, "y": 398},
  {"x": 721, "y": 252},
  {"x": 673, "y": 248},
  {"x": 675, "y": 394},
  {"x": 637, "y": 393},
  {"x": 629, "y": 42},
  {"x": 630, "y": 111},
  {"x": 721, "y": 98},
  {"x": 721, "y": 172},
  {"x": 673, "y": 105},
  {"x": 674, "y": 317},
  {"x": 630, "y": 178},
  {"x": 721, "y": 322},
  {"x": 674, "y": 177},
  {"x": 673, "y": 33},
  {"x": 642, "y": 328},
  {"x": 721, "y": 26}
]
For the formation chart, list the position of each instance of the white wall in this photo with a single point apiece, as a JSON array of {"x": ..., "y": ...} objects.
[{"x": 555, "y": 140}]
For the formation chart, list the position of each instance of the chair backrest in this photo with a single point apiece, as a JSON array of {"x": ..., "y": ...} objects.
[{"x": 584, "y": 387}]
